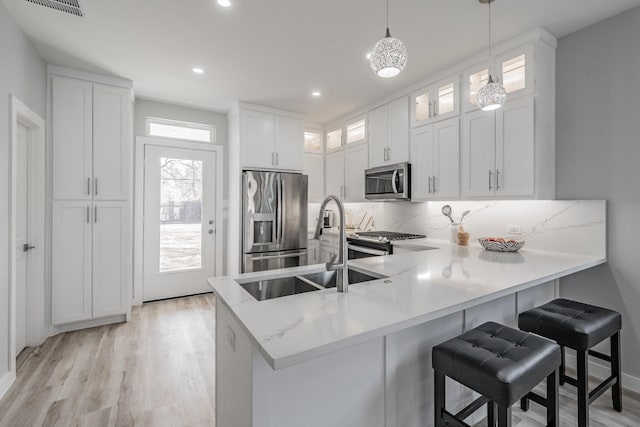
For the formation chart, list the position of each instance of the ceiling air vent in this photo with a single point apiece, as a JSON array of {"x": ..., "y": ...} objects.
[{"x": 67, "y": 6}]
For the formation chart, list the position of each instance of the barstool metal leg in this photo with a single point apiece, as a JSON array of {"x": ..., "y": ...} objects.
[
  {"x": 616, "y": 390},
  {"x": 439, "y": 398},
  {"x": 553, "y": 401},
  {"x": 504, "y": 416},
  {"x": 491, "y": 414},
  {"x": 583, "y": 388},
  {"x": 562, "y": 365}
]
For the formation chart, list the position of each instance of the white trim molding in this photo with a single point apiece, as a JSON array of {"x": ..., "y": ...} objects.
[
  {"x": 6, "y": 381},
  {"x": 35, "y": 328}
]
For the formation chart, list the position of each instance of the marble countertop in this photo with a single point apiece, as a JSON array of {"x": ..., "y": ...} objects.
[{"x": 420, "y": 286}]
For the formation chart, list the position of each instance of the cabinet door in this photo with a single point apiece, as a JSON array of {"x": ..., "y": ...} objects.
[
  {"x": 515, "y": 151},
  {"x": 111, "y": 258},
  {"x": 378, "y": 134},
  {"x": 289, "y": 143},
  {"x": 334, "y": 173},
  {"x": 478, "y": 153},
  {"x": 398, "y": 122},
  {"x": 71, "y": 122},
  {"x": 71, "y": 262},
  {"x": 112, "y": 142},
  {"x": 422, "y": 171},
  {"x": 256, "y": 139},
  {"x": 473, "y": 80},
  {"x": 421, "y": 107},
  {"x": 356, "y": 161},
  {"x": 446, "y": 94},
  {"x": 314, "y": 168},
  {"x": 446, "y": 159},
  {"x": 516, "y": 72}
]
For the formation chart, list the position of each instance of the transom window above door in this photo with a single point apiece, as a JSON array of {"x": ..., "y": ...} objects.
[{"x": 176, "y": 129}]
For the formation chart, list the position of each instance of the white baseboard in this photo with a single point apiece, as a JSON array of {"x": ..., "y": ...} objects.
[
  {"x": 597, "y": 370},
  {"x": 6, "y": 381}
]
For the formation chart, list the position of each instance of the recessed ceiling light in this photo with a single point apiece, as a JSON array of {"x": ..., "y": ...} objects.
[
  {"x": 197, "y": 70},
  {"x": 316, "y": 93},
  {"x": 224, "y": 3}
]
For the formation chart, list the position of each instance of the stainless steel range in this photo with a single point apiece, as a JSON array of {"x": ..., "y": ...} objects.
[{"x": 376, "y": 243}]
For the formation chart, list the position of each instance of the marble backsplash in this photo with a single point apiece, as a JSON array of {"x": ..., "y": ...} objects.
[{"x": 576, "y": 226}]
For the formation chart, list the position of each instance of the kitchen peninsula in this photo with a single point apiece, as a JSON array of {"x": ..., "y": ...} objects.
[{"x": 363, "y": 358}]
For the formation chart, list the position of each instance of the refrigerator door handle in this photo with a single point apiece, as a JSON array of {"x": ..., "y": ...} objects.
[
  {"x": 280, "y": 210},
  {"x": 263, "y": 257}
]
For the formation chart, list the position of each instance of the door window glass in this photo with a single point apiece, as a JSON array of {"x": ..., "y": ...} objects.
[
  {"x": 445, "y": 99},
  {"x": 477, "y": 82},
  {"x": 422, "y": 107},
  {"x": 180, "y": 214},
  {"x": 313, "y": 142},
  {"x": 356, "y": 131},
  {"x": 334, "y": 139}
]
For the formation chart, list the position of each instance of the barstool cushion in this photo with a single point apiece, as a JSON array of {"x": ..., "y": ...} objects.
[
  {"x": 498, "y": 362},
  {"x": 570, "y": 323}
]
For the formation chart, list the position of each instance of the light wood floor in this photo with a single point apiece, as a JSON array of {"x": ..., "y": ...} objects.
[{"x": 158, "y": 370}]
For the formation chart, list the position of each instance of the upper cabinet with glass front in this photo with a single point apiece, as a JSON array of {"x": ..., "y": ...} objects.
[
  {"x": 356, "y": 131},
  {"x": 334, "y": 139},
  {"x": 438, "y": 101},
  {"x": 514, "y": 69}
]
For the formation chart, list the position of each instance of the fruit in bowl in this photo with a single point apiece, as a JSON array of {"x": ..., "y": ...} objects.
[{"x": 500, "y": 244}]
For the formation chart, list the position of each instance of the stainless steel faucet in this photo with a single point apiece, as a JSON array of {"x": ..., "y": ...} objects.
[{"x": 342, "y": 281}]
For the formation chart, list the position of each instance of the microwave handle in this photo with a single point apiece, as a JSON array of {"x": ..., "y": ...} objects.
[{"x": 393, "y": 181}]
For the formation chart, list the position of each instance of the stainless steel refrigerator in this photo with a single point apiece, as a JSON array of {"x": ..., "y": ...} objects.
[{"x": 274, "y": 223}]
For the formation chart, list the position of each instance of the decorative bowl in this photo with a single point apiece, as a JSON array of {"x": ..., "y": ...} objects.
[{"x": 499, "y": 244}]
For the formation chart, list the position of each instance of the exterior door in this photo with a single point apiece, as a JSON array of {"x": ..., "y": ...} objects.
[
  {"x": 22, "y": 238},
  {"x": 179, "y": 221}
]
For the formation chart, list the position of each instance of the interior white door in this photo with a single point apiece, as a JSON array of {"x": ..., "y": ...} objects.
[
  {"x": 22, "y": 238},
  {"x": 179, "y": 221}
]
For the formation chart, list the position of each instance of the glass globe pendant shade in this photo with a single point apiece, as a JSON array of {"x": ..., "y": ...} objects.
[
  {"x": 388, "y": 57},
  {"x": 492, "y": 96}
]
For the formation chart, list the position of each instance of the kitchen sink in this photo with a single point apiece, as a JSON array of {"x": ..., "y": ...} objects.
[
  {"x": 327, "y": 279},
  {"x": 276, "y": 288}
]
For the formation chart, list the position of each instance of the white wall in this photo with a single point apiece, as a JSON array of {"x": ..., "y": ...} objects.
[
  {"x": 597, "y": 155},
  {"x": 22, "y": 74}
]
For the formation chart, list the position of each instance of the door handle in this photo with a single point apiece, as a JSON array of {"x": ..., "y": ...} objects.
[
  {"x": 88, "y": 186},
  {"x": 434, "y": 184},
  {"x": 497, "y": 179},
  {"x": 95, "y": 214},
  {"x": 95, "y": 191},
  {"x": 429, "y": 185},
  {"x": 393, "y": 181},
  {"x": 490, "y": 176},
  {"x": 260, "y": 258},
  {"x": 88, "y": 213},
  {"x": 27, "y": 247}
]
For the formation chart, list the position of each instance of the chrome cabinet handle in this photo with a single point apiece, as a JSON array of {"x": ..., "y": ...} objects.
[
  {"x": 430, "y": 109},
  {"x": 95, "y": 190},
  {"x": 497, "y": 179},
  {"x": 429, "y": 185},
  {"x": 277, "y": 158},
  {"x": 434, "y": 184},
  {"x": 490, "y": 176},
  {"x": 95, "y": 214},
  {"x": 88, "y": 214},
  {"x": 88, "y": 186}
]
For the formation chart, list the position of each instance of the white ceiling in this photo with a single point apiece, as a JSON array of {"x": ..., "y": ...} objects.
[{"x": 276, "y": 52}]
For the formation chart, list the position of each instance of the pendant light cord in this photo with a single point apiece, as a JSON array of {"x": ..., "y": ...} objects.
[
  {"x": 490, "y": 50},
  {"x": 387, "y": 15}
]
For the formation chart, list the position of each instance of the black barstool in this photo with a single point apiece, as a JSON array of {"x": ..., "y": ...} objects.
[
  {"x": 580, "y": 327},
  {"x": 503, "y": 365}
]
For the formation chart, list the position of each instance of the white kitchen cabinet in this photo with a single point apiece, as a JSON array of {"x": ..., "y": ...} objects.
[
  {"x": 314, "y": 169},
  {"x": 112, "y": 142},
  {"x": 389, "y": 133},
  {"x": 435, "y": 161},
  {"x": 334, "y": 173},
  {"x": 498, "y": 151},
  {"x": 514, "y": 69},
  {"x": 71, "y": 287},
  {"x": 92, "y": 140},
  {"x": 356, "y": 161},
  {"x": 271, "y": 141},
  {"x": 71, "y": 131},
  {"x": 344, "y": 172},
  {"x": 438, "y": 101},
  {"x": 92, "y": 146},
  {"x": 90, "y": 260},
  {"x": 111, "y": 258}
]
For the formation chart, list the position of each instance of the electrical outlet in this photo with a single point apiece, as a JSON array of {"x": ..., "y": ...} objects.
[
  {"x": 514, "y": 229},
  {"x": 231, "y": 338}
]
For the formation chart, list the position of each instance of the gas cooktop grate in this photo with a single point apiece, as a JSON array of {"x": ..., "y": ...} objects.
[{"x": 389, "y": 235}]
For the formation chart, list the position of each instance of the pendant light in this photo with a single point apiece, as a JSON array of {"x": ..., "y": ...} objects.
[
  {"x": 493, "y": 95},
  {"x": 389, "y": 55}
]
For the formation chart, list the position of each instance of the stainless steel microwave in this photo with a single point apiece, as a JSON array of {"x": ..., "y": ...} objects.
[{"x": 391, "y": 182}]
